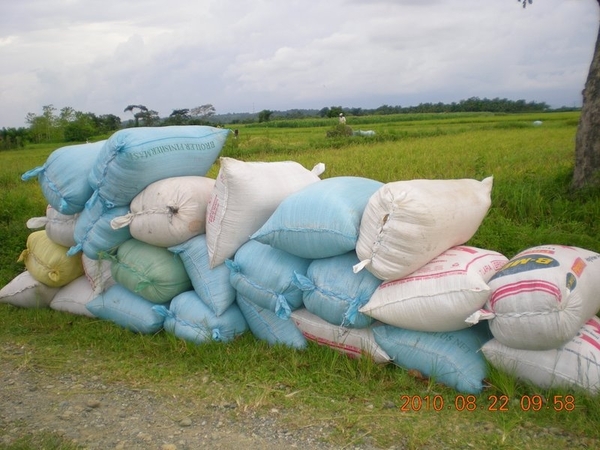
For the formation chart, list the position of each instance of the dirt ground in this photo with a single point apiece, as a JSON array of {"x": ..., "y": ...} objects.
[{"x": 99, "y": 416}]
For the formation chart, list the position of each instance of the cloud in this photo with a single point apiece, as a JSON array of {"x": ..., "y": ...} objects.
[{"x": 99, "y": 56}]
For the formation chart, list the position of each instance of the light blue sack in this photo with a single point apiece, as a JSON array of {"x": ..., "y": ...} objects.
[
  {"x": 64, "y": 176},
  {"x": 93, "y": 234},
  {"x": 133, "y": 158},
  {"x": 321, "y": 220},
  {"x": 264, "y": 275},
  {"x": 451, "y": 358},
  {"x": 266, "y": 326},
  {"x": 127, "y": 309},
  {"x": 211, "y": 285},
  {"x": 333, "y": 292},
  {"x": 190, "y": 319}
]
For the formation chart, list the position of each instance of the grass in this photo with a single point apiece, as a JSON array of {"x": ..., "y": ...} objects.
[{"x": 357, "y": 399}]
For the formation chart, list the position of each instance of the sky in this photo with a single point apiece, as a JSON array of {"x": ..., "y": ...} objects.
[{"x": 250, "y": 55}]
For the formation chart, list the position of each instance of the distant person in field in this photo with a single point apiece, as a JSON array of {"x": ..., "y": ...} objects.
[{"x": 342, "y": 119}]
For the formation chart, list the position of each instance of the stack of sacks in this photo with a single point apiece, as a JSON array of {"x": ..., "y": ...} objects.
[
  {"x": 542, "y": 314},
  {"x": 128, "y": 162},
  {"x": 319, "y": 225},
  {"x": 411, "y": 237},
  {"x": 122, "y": 276},
  {"x": 245, "y": 196}
]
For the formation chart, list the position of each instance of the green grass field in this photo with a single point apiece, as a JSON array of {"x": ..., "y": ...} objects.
[{"x": 531, "y": 205}]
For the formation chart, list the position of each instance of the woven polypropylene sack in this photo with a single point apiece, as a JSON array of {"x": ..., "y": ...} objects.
[
  {"x": 452, "y": 358},
  {"x": 408, "y": 223},
  {"x": 244, "y": 197},
  {"x": 574, "y": 365},
  {"x": 49, "y": 262},
  {"x": 133, "y": 158},
  {"x": 439, "y": 296},
  {"x": 154, "y": 273},
  {"x": 190, "y": 319},
  {"x": 541, "y": 298},
  {"x": 211, "y": 285},
  {"x": 266, "y": 326},
  {"x": 64, "y": 176},
  {"x": 320, "y": 221},
  {"x": 25, "y": 291},
  {"x": 265, "y": 276},
  {"x": 169, "y": 211},
  {"x": 333, "y": 292}
]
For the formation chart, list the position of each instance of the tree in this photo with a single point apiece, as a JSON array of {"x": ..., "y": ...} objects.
[
  {"x": 136, "y": 115},
  {"x": 587, "y": 140},
  {"x": 203, "y": 111},
  {"x": 264, "y": 115},
  {"x": 586, "y": 172},
  {"x": 179, "y": 116}
]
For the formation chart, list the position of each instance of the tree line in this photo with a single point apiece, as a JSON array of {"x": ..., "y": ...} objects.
[{"x": 69, "y": 125}]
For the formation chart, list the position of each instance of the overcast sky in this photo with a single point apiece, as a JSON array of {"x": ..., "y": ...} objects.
[{"x": 245, "y": 56}]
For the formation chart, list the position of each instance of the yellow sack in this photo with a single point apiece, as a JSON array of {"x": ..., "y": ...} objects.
[{"x": 48, "y": 263}]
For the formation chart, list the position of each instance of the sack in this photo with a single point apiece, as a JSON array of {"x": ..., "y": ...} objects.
[
  {"x": 133, "y": 158},
  {"x": 352, "y": 342},
  {"x": 152, "y": 272},
  {"x": 451, "y": 358},
  {"x": 64, "y": 176},
  {"x": 211, "y": 285},
  {"x": 320, "y": 221},
  {"x": 126, "y": 309},
  {"x": 73, "y": 297},
  {"x": 169, "y": 211},
  {"x": 440, "y": 295},
  {"x": 266, "y": 326},
  {"x": 244, "y": 197},
  {"x": 408, "y": 223},
  {"x": 574, "y": 365},
  {"x": 265, "y": 276},
  {"x": 98, "y": 272},
  {"x": 93, "y": 233},
  {"x": 190, "y": 319},
  {"x": 48, "y": 262},
  {"x": 334, "y": 293},
  {"x": 60, "y": 228},
  {"x": 542, "y": 297},
  {"x": 25, "y": 291}
]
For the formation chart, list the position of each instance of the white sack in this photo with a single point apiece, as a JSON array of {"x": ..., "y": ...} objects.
[
  {"x": 353, "y": 342},
  {"x": 59, "y": 227},
  {"x": 576, "y": 364},
  {"x": 73, "y": 297},
  {"x": 98, "y": 273},
  {"x": 25, "y": 291},
  {"x": 440, "y": 295},
  {"x": 244, "y": 197},
  {"x": 408, "y": 223},
  {"x": 169, "y": 211},
  {"x": 543, "y": 296}
]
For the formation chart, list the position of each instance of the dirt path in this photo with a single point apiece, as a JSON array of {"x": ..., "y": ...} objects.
[{"x": 99, "y": 416}]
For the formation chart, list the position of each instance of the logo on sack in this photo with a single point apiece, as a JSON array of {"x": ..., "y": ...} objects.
[{"x": 525, "y": 264}]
